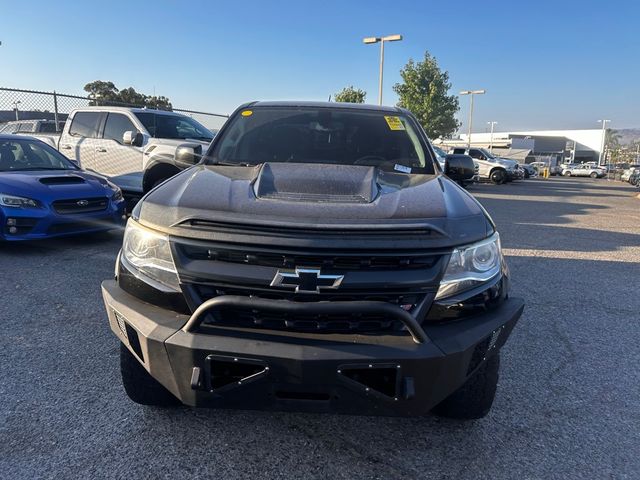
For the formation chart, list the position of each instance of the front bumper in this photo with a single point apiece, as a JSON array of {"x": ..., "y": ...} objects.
[
  {"x": 38, "y": 223},
  {"x": 356, "y": 374}
]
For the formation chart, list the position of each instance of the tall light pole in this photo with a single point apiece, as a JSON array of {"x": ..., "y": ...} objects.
[
  {"x": 491, "y": 138},
  {"x": 15, "y": 108},
  {"x": 388, "y": 38},
  {"x": 472, "y": 93},
  {"x": 604, "y": 133}
]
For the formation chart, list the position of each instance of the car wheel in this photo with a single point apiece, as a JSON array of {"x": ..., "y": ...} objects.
[
  {"x": 593, "y": 175},
  {"x": 473, "y": 400},
  {"x": 567, "y": 173},
  {"x": 526, "y": 174},
  {"x": 141, "y": 387},
  {"x": 498, "y": 176}
]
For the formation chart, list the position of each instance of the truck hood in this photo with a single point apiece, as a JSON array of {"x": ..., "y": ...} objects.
[{"x": 204, "y": 200}]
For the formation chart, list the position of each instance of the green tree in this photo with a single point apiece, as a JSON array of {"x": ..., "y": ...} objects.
[
  {"x": 350, "y": 95},
  {"x": 106, "y": 93},
  {"x": 425, "y": 93},
  {"x": 612, "y": 138}
]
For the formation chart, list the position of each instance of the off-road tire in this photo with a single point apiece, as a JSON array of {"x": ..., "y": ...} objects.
[
  {"x": 141, "y": 387},
  {"x": 473, "y": 400},
  {"x": 498, "y": 176}
]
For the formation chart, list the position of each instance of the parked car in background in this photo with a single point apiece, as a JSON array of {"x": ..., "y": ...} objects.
[
  {"x": 529, "y": 170},
  {"x": 634, "y": 179},
  {"x": 494, "y": 169},
  {"x": 31, "y": 126},
  {"x": 136, "y": 148},
  {"x": 43, "y": 194},
  {"x": 629, "y": 171},
  {"x": 583, "y": 170},
  {"x": 553, "y": 169}
]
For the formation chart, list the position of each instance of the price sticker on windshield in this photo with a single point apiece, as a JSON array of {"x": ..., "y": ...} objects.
[{"x": 394, "y": 123}]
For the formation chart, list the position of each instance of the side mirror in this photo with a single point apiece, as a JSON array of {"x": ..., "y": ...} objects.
[
  {"x": 132, "y": 138},
  {"x": 459, "y": 167},
  {"x": 188, "y": 154}
]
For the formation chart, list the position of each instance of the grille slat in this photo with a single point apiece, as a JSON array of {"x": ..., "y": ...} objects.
[{"x": 328, "y": 261}]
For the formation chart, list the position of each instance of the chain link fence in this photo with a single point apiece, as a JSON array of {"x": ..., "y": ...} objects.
[{"x": 18, "y": 104}]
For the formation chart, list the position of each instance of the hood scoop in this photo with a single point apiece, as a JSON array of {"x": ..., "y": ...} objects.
[
  {"x": 66, "y": 180},
  {"x": 321, "y": 183}
]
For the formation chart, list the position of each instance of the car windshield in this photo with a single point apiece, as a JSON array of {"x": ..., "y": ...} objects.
[
  {"x": 388, "y": 140},
  {"x": 21, "y": 155},
  {"x": 162, "y": 125},
  {"x": 487, "y": 153}
]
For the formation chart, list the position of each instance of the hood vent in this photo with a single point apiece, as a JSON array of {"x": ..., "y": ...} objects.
[
  {"x": 66, "y": 180},
  {"x": 317, "y": 183}
]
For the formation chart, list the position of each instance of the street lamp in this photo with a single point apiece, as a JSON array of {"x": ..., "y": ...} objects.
[
  {"x": 491, "y": 138},
  {"x": 472, "y": 93},
  {"x": 388, "y": 38},
  {"x": 604, "y": 132},
  {"x": 15, "y": 107}
]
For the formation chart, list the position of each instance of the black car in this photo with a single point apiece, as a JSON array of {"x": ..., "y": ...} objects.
[{"x": 316, "y": 259}]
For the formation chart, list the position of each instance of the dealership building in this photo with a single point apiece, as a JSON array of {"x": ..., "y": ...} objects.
[{"x": 555, "y": 145}]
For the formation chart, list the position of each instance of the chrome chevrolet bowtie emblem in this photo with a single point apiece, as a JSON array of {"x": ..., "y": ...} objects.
[
  {"x": 82, "y": 203},
  {"x": 306, "y": 280}
]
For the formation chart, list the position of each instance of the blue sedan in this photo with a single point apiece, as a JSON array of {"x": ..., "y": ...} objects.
[{"x": 43, "y": 194}]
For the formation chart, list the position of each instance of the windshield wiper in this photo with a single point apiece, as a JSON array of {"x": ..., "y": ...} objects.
[{"x": 231, "y": 164}]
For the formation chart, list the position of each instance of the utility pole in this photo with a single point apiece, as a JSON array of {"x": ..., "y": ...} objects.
[
  {"x": 491, "y": 138},
  {"x": 472, "y": 93},
  {"x": 381, "y": 40},
  {"x": 604, "y": 133},
  {"x": 15, "y": 108}
]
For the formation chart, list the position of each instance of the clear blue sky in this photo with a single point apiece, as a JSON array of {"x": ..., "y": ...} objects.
[{"x": 544, "y": 64}]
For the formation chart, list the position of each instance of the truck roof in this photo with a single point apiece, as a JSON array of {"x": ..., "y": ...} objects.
[
  {"x": 107, "y": 108},
  {"x": 353, "y": 106}
]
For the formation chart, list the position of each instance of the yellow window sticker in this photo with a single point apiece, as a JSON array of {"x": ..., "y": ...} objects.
[
  {"x": 247, "y": 113},
  {"x": 394, "y": 123}
]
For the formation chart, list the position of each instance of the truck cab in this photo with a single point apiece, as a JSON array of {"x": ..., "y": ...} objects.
[{"x": 134, "y": 147}]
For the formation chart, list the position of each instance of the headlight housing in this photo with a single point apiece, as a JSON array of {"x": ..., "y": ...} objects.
[
  {"x": 471, "y": 266},
  {"x": 149, "y": 254},
  {"x": 7, "y": 200}
]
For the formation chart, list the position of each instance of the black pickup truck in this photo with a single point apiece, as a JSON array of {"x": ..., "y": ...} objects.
[{"x": 316, "y": 259}]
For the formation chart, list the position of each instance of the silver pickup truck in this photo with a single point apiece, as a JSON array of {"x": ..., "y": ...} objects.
[{"x": 136, "y": 148}]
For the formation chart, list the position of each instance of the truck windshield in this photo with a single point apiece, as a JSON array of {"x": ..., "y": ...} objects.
[
  {"x": 322, "y": 135},
  {"x": 162, "y": 125}
]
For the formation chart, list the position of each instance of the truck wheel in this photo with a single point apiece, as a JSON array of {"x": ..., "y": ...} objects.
[
  {"x": 498, "y": 177},
  {"x": 141, "y": 387},
  {"x": 473, "y": 400}
]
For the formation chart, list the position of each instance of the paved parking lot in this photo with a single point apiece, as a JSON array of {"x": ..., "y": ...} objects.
[{"x": 567, "y": 404}]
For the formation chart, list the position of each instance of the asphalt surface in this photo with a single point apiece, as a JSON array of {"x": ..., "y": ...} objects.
[{"x": 567, "y": 404}]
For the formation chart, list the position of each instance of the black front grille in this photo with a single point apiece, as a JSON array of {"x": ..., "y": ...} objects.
[
  {"x": 205, "y": 292},
  {"x": 81, "y": 205},
  {"x": 404, "y": 278},
  {"x": 344, "y": 323},
  {"x": 329, "y": 261}
]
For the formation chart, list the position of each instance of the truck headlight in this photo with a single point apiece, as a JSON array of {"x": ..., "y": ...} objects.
[
  {"x": 149, "y": 253},
  {"x": 18, "y": 202},
  {"x": 471, "y": 266}
]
